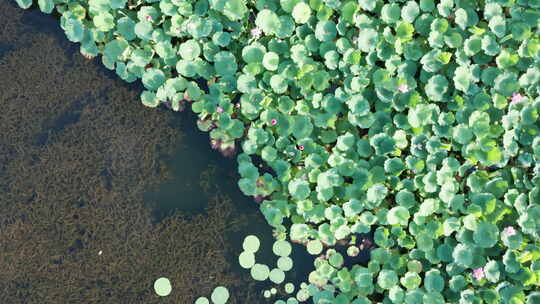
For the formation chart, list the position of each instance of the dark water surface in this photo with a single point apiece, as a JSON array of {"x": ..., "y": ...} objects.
[{"x": 85, "y": 168}]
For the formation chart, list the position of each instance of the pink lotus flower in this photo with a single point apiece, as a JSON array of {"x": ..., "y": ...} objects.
[
  {"x": 301, "y": 148},
  {"x": 219, "y": 110},
  {"x": 517, "y": 98},
  {"x": 478, "y": 273},
  {"x": 509, "y": 231},
  {"x": 404, "y": 88},
  {"x": 237, "y": 105},
  {"x": 149, "y": 18},
  {"x": 273, "y": 122},
  {"x": 256, "y": 32}
]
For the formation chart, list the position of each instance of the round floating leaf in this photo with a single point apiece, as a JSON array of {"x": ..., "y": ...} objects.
[
  {"x": 277, "y": 275},
  {"x": 326, "y": 31},
  {"x": 268, "y": 21},
  {"x": 289, "y": 288},
  {"x": 246, "y": 259},
  {"x": 74, "y": 30},
  {"x": 126, "y": 28},
  {"x": 398, "y": 216},
  {"x": 486, "y": 235},
  {"x": 314, "y": 247},
  {"x": 285, "y": 263},
  {"x": 260, "y": 272},
  {"x": 46, "y": 6},
  {"x": 387, "y": 279},
  {"x": 282, "y": 248},
  {"x": 251, "y": 244},
  {"x": 149, "y": 99},
  {"x": 104, "y": 21},
  {"x": 202, "y": 300},
  {"x": 189, "y": 50},
  {"x": 163, "y": 287},
  {"x": 270, "y": 61},
  {"x": 220, "y": 295},
  {"x": 153, "y": 79},
  {"x": 225, "y": 63},
  {"x": 301, "y": 12}
]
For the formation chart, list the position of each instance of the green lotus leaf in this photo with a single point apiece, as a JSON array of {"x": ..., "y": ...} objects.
[
  {"x": 462, "y": 134},
  {"x": 299, "y": 189},
  {"x": 299, "y": 232},
  {"x": 390, "y": 13},
  {"x": 352, "y": 207},
  {"x": 479, "y": 123},
  {"x": 411, "y": 280},
  {"x": 251, "y": 244},
  {"x": 220, "y": 295},
  {"x": 225, "y": 63},
  {"x": 301, "y": 13},
  {"x": 410, "y": 11},
  {"x": 367, "y": 39},
  {"x": 433, "y": 281},
  {"x": 282, "y": 248},
  {"x": 153, "y": 79},
  {"x": 46, "y": 6},
  {"x": 277, "y": 276},
  {"x": 74, "y": 30},
  {"x": 404, "y": 31},
  {"x": 377, "y": 193},
  {"x": 436, "y": 87},
  {"x": 115, "y": 49},
  {"x": 314, "y": 247},
  {"x": 387, "y": 279},
  {"x": 486, "y": 235},
  {"x": 302, "y": 127},
  {"x": 336, "y": 259},
  {"x": 232, "y": 9},
  {"x": 143, "y": 30},
  {"x": 268, "y": 21},
  {"x": 497, "y": 25},
  {"x": 189, "y": 49},
  {"x": 149, "y": 99},
  {"x": 104, "y": 21},
  {"x": 246, "y": 259},
  {"x": 463, "y": 255},
  {"x": 163, "y": 287},
  {"x": 285, "y": 263},
  {"x": 398, "y": 216},
  {"x": 126, "y": 28},
  {"x": 279, "y": 84},
  {"x": 202, "y": 300},
  {"x": 383, "y": 144}
]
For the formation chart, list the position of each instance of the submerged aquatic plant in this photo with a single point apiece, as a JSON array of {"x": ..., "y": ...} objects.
[{"x": 401, "y": 110}]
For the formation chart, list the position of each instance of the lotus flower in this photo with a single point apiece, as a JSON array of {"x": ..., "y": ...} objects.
[
  {"x": 256, "y": 32},
  {"x": 273, "y": 122},
  {"x": 509, "y": 231},
  {"x": 219, "y": 110},
  {"x": 301, "y": 148},
  {"x": 517, "y": 98},
  {"x": 404, "y": 88},
  {"x": 478, "y": 273}
]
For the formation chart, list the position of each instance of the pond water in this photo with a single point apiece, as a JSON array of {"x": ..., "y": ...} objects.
[{"x": 136, "y": 184}]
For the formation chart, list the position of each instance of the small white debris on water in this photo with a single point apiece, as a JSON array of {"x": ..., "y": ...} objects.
[{"x": 100, "y": 252}]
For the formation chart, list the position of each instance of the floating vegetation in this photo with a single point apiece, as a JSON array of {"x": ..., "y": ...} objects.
[
  {"x": 415, "y": 123},
  {"x": 163, "y": 287}
]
